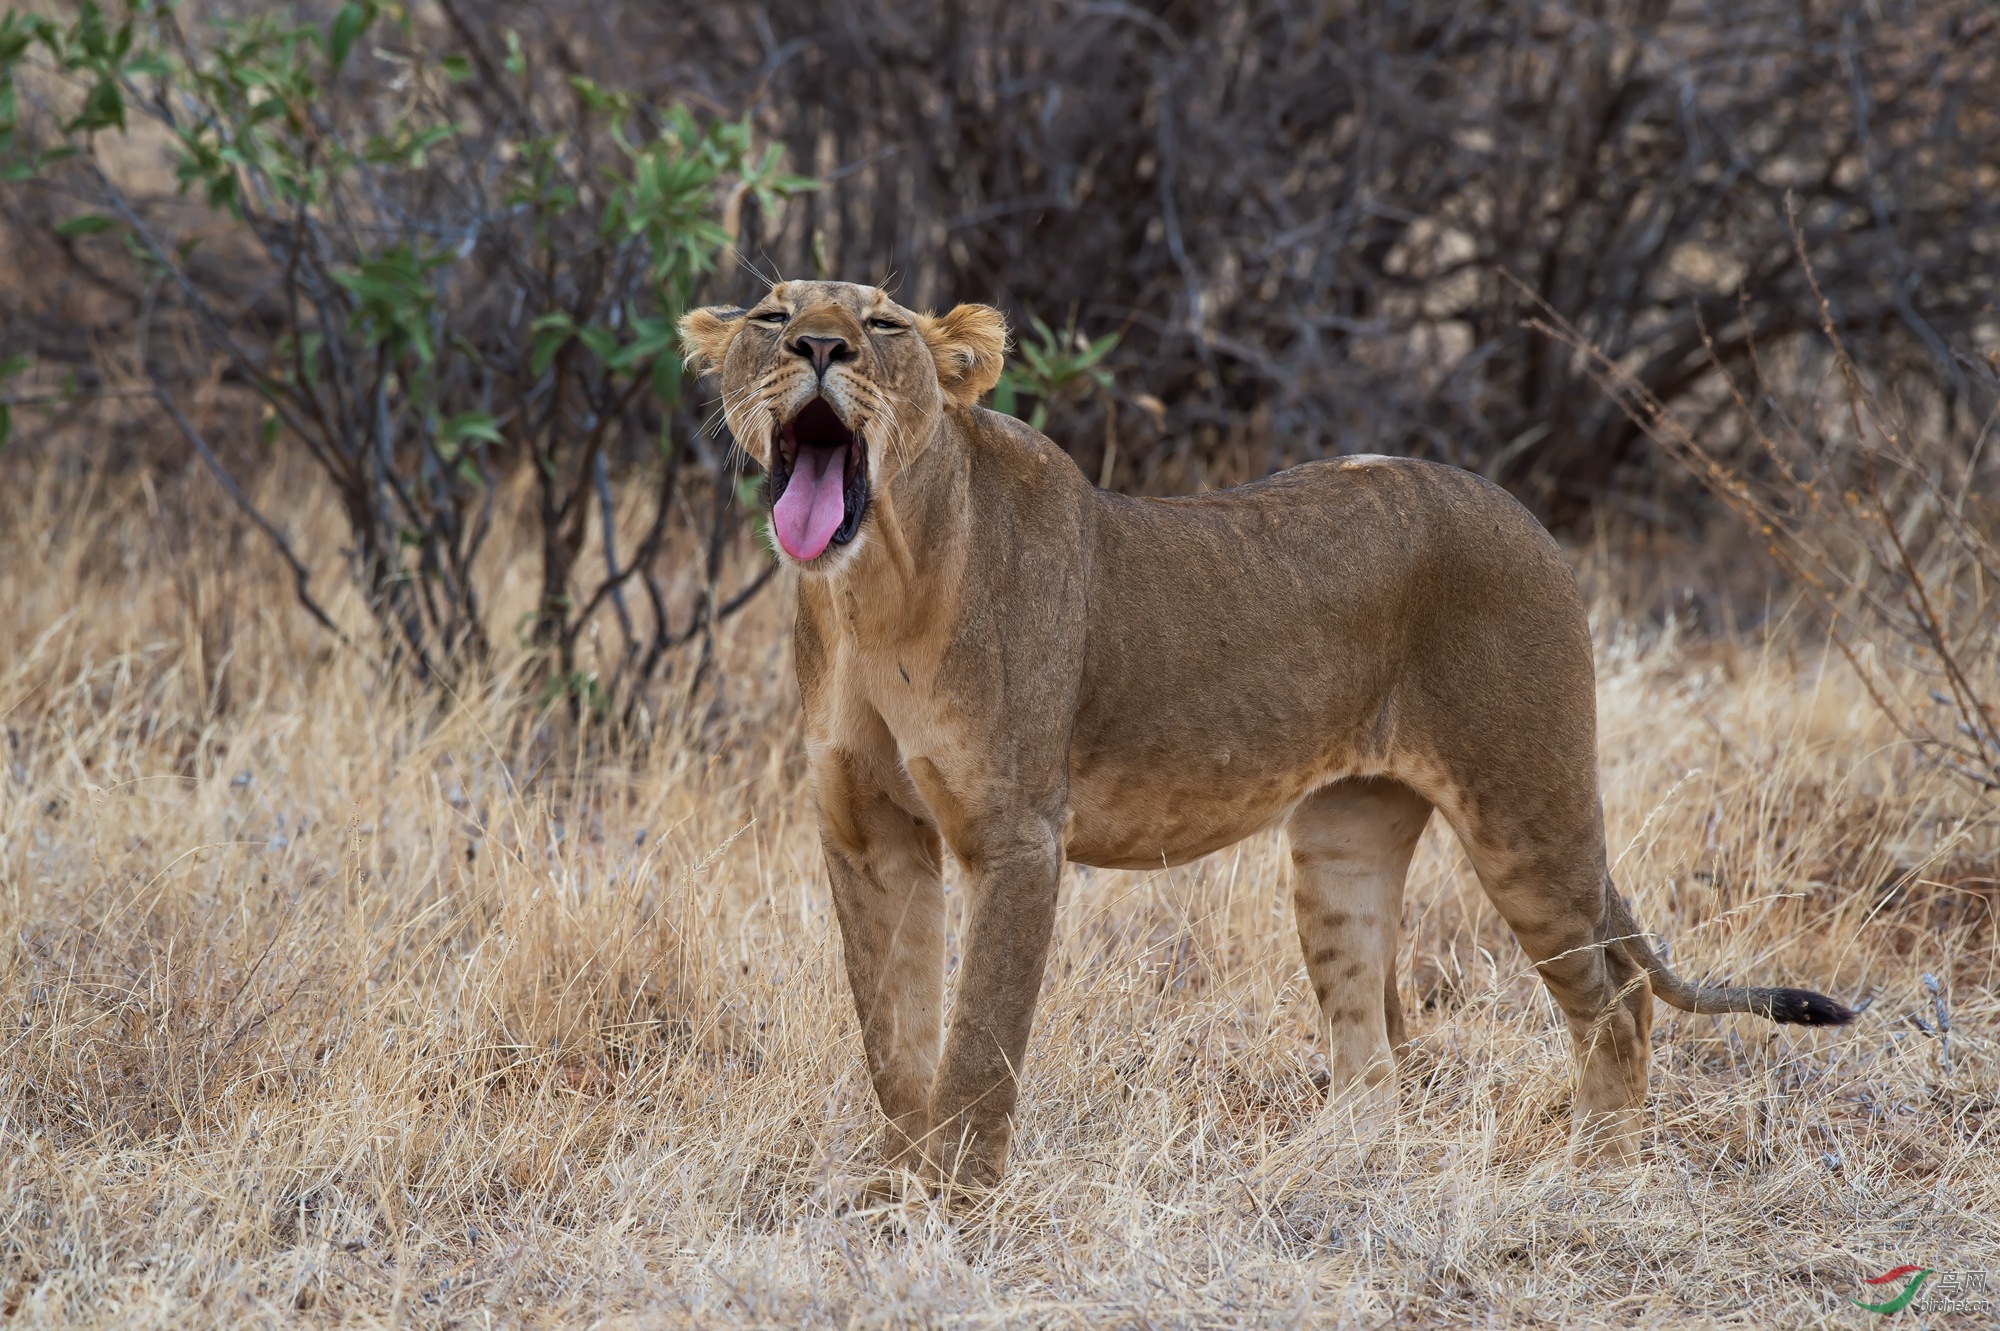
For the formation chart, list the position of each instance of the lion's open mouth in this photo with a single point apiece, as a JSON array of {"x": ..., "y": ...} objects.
[{"x": 819, "y": 481}]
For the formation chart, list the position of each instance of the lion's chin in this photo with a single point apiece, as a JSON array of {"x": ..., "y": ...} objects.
[{"x": 819, "y": 481}]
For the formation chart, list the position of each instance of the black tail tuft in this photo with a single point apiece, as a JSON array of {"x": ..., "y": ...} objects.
[{"x": 1803, "y": 1007}]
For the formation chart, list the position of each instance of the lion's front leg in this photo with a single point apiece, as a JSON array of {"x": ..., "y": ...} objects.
[
  {"x": 1014, "y": 876},
  {"x": 886, "y": 866}
]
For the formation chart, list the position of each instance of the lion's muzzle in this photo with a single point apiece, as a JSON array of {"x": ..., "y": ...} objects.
[{"x": 819, "y": 481}]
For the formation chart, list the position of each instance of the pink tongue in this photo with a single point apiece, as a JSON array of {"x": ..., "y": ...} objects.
[{"x": 810, "y": 510}]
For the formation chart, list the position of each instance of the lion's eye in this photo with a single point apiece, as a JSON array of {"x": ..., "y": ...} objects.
[
  {"x": 771, "y": 317},
  {"x": 882, "y": 325}
]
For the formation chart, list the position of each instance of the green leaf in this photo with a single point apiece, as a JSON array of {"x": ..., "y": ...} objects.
[
  {"x": 309, "y": 348},
  {"x": 347, "y": 25},
  {"x": 1050, "y": 366},
  {"x": 86, "y": 224},
  {"x": 394, "y": 299},
  {"x": 456, "y": 68},
  {"x": 603, "y": 343},
  {"x": 515, "y": 62},
  {"x": 553, "y": 332},
  {"x": 580, "y": 685},
  {"x": 650, "y": 336},
  {"x": 786, "y": 185},
  {"x": 667, "y": 376},
  {"x": 471, "y": 425},
  {"x": 89, "y": 30},
  {"x": 13, "y": 365},
  {"x": 6, "y": 423},
  {"x": 750, "y": 492},
  {"x": 597, "y": 97},
  {"x": 16, "y": 35},
  {"x": 103, "y": 108}
]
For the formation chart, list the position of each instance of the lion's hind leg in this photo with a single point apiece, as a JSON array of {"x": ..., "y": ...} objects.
[
  {"x": 1351, "y": 846},
  {"x": 1553, "y": 898}
]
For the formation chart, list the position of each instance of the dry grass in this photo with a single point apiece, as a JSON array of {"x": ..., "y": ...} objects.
[{"x": 323, "y": 1005}]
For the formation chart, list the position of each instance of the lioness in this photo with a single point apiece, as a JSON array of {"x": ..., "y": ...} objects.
[{"x": 997, "y": 657}]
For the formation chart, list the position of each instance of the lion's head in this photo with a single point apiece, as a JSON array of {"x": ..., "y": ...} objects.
[{"x": 834, "y": 387}]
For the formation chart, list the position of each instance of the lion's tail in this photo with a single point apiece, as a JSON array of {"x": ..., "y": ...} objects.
[{"x": 1797, "y": 1007}]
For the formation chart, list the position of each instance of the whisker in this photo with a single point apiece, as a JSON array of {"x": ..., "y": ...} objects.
[
  {"x": 893, "y": 425},
  {"x": 755, "y": 271},
  {"x": 735, "y": 405}
]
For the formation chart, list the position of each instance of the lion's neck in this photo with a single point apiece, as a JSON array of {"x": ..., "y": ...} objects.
[{"x": 912, "y": 555}]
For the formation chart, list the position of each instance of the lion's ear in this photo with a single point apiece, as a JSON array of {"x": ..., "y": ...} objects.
[
  {"x": 970, "y": 347},
  {"x": 706, "y": 335}
]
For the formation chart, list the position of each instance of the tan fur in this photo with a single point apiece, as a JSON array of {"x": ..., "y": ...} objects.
[{"x": 1022, "y": 669}]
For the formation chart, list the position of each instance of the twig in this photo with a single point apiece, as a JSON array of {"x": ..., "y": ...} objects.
[{"x": 301, "y": 575}]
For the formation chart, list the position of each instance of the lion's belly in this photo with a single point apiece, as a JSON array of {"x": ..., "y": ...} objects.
[
  {"x": 1175, "y": 754},
  {"x": 1122, "y": 817}
]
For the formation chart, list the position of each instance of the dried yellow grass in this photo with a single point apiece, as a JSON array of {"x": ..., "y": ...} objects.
[{"x": 321, "y": 1003}]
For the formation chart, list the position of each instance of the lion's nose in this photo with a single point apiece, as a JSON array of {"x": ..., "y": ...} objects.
[{"x": 822, "y": 351}]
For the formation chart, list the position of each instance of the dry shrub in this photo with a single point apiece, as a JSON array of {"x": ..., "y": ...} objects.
[
  {"x": 1299, "y": 212},
  {"x": 1872, "y": 507}
]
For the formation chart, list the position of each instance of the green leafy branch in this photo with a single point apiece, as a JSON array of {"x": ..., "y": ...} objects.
[
  {"x": 1053, "y": 368},
  {"x": 461, "y": 290}
]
